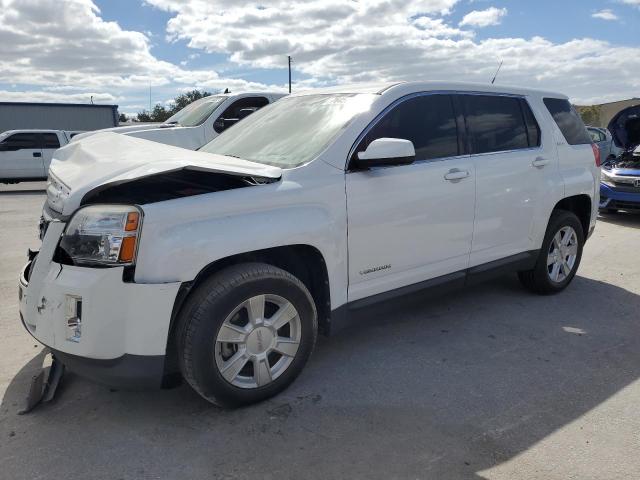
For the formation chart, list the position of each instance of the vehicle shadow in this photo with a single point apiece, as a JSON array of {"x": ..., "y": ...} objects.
[
  {"x": 24, "y": 188},
  {"x": 420, "y": 387},
  {"x": 623, "y": 219}
]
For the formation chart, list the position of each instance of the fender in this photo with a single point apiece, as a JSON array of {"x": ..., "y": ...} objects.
[{"x": 182, "y": 236}]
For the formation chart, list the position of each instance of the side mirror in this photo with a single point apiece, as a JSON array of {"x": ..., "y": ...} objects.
[{"x": 387, "y": 152}]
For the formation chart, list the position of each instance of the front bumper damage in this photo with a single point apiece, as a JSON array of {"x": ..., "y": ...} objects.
[{"x": 96, "y": 324}]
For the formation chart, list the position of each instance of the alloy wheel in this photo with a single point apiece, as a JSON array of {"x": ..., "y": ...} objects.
[
  {"x": 562, "y": 254},
  {"x": 258, "y": 341}
]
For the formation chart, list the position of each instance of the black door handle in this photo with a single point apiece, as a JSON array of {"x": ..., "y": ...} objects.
[{"x": 37, "y": 154}]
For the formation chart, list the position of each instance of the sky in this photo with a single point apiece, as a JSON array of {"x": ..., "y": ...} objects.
[{"x": 134, "y": 53}]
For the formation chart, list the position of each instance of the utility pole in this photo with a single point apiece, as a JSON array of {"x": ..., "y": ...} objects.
[{"x": 289, "y": 58}]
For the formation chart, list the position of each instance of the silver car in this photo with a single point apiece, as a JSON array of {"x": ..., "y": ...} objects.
[{"x": 603, "y": 139}]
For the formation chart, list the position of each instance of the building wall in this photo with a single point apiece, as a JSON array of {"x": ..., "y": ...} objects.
[
  {"x": 57, "y": 116},
  {"x": 605, "y": 112},
  {"x": 609, "y": 110}
]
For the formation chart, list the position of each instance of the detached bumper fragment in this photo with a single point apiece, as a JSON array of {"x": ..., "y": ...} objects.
[{"x": 44, "y": 385}]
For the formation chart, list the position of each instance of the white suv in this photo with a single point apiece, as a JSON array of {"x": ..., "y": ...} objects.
[{"x": 222, "y": 265}]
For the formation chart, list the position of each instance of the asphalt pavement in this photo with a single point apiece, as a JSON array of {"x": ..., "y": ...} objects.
[{"x": 489, "y": 382}]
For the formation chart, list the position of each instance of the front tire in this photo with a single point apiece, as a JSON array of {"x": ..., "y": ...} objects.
[
  {"x": 559, "y": 256},
  {"x": 246, "y": 333}
]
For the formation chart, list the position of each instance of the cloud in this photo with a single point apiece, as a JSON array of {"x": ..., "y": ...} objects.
[
  {"x": 49, "y": 96},
  {"x": 66, "y": 44},
  {"x": 635, "y": 3},
  {"x": 334, "y": 41},
  {"x": 606, "y": 14},
  {"x": 484, "y": 18},
  {"x": 67, "y": 50}
]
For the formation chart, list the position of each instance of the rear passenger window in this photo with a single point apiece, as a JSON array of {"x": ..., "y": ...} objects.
[
  {"x": 496, "y": 124},
  {"x": 428, "y": 121},
  {"x": 50, "y": 140},
  {"x": 568, "y": 121}
]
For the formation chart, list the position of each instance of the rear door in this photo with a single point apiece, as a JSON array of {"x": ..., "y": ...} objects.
[
  {"x": 50, "y": 143},
  {"x": 514, "y": 174},
  {"x": 410, "y": 223},
  {"x": 21, "y": 156}
]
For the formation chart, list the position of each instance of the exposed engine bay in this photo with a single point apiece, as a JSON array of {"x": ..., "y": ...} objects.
[{"x": 169, "y": 185}]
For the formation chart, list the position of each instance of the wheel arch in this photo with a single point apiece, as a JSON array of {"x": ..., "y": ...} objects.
[
  {"x": 303, "y": 261},
  {"x": 581, "y": 206}
]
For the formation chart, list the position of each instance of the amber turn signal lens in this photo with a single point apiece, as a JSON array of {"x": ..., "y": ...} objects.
[
  {"x": 132, "y": 222},
  {"x": 127, "y": 249}
]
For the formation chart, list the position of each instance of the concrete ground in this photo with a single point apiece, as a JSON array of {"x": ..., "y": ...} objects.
[{"x": 491, "y": 382}]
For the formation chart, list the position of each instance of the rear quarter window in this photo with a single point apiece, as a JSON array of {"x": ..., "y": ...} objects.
[{"x": 568, "y": 121}]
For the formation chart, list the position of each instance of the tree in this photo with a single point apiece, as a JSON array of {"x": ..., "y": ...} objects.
[
  {"x": 123, "y": 118},
  {"x": 590, "y": 114},
  {"x": 162, "y": 114}
]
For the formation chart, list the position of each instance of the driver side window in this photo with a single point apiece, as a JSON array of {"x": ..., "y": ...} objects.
[
  {"x": 237, "y": 111},
  {"x": 20, "y": 141},
  {"x": 427, "y": 121}
]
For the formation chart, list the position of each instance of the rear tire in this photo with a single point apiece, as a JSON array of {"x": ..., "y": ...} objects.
[
  {"x": 611, "y": 211},
  {"x": 557, "y": 262},
  {"x": 245, "y": 334}
]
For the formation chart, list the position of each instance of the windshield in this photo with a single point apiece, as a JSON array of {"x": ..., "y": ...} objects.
[
  {"x": 291, "y": 131},
  {"x": 197, "y": 112}
]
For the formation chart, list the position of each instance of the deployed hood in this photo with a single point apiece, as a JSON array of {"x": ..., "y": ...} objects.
[
  {"x": 108, "y": 158},
  {"x": 625, "y": 127}
]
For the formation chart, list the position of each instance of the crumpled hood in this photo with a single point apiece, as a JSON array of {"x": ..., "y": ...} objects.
[{"x": 106, "y": 158}]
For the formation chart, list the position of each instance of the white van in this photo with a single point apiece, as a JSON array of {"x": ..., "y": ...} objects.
[
  {"x": 199, "y": 122},
  {"x": 25, "y": 155},
  {"x": 223, "y": 265}
]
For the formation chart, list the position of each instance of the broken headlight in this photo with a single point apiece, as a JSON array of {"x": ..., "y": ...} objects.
[{"x": 105, "y": 235}]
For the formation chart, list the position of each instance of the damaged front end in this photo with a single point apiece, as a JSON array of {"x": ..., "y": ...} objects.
[
  {"x": 620, "y": 176},
  {"x": 92, "y": 218}
]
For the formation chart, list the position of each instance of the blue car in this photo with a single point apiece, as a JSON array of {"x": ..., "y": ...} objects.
[{"x": 620, "y": 180}]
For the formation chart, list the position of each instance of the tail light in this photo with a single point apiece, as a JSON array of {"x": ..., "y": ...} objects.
[{"x": 596, "y": 154}]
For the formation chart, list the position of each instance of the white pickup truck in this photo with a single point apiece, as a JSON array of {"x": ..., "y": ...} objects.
[
  {"x": 199, "y": 122},
  {"x": 222, "y": 265},
  {"x": 25, "y": 155}
]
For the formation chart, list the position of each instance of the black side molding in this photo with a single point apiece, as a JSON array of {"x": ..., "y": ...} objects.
[{"x": 341, "y": 316}]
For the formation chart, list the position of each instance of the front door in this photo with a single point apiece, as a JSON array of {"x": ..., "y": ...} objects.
[
  {"x": 21, "y": 156},
  {"x": 411, "y": 223}
]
